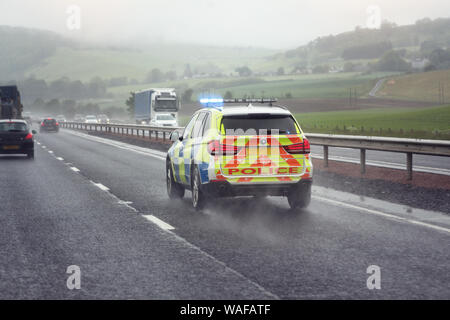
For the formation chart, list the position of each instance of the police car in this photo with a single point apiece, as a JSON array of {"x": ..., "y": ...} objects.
[{"x": 250, "y": 148}]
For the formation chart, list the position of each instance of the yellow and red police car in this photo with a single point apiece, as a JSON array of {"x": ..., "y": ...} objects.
[{"x": 248, "y": 149}]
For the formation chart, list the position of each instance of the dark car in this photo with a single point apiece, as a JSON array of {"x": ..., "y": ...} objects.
[
  {"x": 16, "y": 138},
  {"x": 49, "y": 125}
]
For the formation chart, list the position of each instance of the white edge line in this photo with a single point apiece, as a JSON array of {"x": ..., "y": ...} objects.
[
  {"x": 101, "y": 140},
  {"x": 386, "y": 215},
  {"x": 163, "y": 225},
  {"x": 383, "y": 214}
]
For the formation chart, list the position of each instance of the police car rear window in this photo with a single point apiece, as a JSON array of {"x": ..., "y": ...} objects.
[{"x": 259, "y": 124}]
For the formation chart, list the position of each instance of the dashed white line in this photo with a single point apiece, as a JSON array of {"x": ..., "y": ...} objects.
[
  {"x": 383, "y": 214},
  {"x": 125, "y": 202},
  {"x": 74, "y": 169},
  {"x": 60, "y": 159},
  {"x": 101, "y": 186},
  {"x": 163, "y": 225},
  {"x": 51, "y": 152}
]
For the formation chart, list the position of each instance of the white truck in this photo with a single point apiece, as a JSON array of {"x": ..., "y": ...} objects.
[{"x": 157, "y": 107}]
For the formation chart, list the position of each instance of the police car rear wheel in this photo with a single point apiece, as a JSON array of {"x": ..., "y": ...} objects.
[
  {"x": 174, "y": 190},
  {"x": 300, "y": 197},
  {"x": 198, "y": 197}
]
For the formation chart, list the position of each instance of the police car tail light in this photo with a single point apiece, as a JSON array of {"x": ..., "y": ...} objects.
[
  {"x": 299, "y": 148},
  {"x": 29, "y": 136},
  {"x": 216, "y": 148}
]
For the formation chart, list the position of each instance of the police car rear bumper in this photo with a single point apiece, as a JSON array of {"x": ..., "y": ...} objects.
[{"x": 225, "y": 189}]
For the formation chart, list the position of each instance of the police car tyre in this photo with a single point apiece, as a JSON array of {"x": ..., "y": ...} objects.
[
  {"x": 174, "y": 189},
  {"x": 30, "y": 155},
  {"x": 198, "y": 197},
  {"x": 300, "y": 197}
]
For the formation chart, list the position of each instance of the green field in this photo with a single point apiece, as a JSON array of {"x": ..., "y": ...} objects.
[
  {"x": 430, "y": 123},
  {"x": 417, "y": 86},
  {"x": 427, "y": 123},
  {"x": 311, "y": 86},
  {"x": 86, "y": 63}
]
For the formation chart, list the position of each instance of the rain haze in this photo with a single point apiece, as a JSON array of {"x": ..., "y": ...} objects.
[
  {"x": 225, "y": 150},
  {"x": 276, "y": 24}
]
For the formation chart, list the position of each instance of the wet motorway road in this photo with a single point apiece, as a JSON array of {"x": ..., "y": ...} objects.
[{"x": 102, "y": 205}]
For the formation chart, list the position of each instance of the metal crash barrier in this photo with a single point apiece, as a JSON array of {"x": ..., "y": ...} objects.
[{"x": 400, "y": 145}]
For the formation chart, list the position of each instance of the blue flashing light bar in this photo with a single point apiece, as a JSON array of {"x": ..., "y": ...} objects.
[
  {"x": 216, "y": 103},
  {"x": 211, "y": 100}
]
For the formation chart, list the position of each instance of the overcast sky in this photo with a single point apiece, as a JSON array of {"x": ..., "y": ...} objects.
[{"x": 269, "y": 23}]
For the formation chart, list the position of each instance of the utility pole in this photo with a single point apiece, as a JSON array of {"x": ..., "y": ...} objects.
[
  {"x": 441, "y": 93},
  {"x": 350, "y": 97}
]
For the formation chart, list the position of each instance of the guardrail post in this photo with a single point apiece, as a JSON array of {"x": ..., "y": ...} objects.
[
  {"x": 363, "y": 160},
  {"x": 409, "y": 165},
  {"x": 325, "y": 156}
]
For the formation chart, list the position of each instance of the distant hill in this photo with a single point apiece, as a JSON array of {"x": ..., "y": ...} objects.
[
  {"x": 46, "y": 55},
  {"x": 26, "y": 53},
  {"x": 365, "y": 45},
  {"x": 22, "y": 49}
]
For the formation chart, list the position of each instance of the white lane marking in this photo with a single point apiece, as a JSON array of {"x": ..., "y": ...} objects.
[
  {"x": 51, "y": 152},
  {"x": 144, "y": 151},
  {"x": 383, "y": 214},
  {"x": 395, "y": 217},
  {"x": 60, "y": 159},
  {"x": 74, "y": 169},
  {"x": 181, "y": 239},
  {"x": 163, "y": 225},
  {"x": 44, "y": 147},
  {"x": 38, "y": 142},
  {"x": 100, "y": 186},
  {"x": 125, "y": 202}
]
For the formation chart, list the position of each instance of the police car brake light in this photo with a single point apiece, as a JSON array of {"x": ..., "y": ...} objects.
[
  {"x": 299, "y": 148},
  {"x": 215, "y": 148}
]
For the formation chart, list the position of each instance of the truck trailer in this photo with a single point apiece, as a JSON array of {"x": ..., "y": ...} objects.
[
  {"x": 153, "y": 104},
  {"x": 10, "y": 104}
]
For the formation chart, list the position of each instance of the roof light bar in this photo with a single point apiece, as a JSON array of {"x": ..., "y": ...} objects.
[
  {"x": 253, "y": 100},
  {"x": 211, "y": 100}
]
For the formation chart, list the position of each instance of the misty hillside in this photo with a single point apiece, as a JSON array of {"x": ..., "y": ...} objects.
[
  {"x": 47, "y": 55},
  {"x": 363, "y": 45},
  {"x": 23, "y": 49}
]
